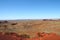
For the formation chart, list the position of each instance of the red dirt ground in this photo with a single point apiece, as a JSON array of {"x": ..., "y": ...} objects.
[{"x": 39, "y": 36}]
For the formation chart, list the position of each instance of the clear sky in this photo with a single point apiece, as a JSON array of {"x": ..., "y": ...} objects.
[{"x": 29, "y": 9}]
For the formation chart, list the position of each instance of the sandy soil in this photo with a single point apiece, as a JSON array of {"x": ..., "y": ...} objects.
[{"x": 30, "y": 27}]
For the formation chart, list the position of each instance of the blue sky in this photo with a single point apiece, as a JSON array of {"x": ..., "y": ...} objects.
[{"x": 29, "y": 9}]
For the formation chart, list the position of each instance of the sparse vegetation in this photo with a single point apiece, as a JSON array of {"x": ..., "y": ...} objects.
[
  {"x": 5, "y": 21},
  {"x": 30, "y": 27},
  {"x": 27, "y": 26},
  {"x": 14, "y": 24},
  {"x": 24, "y": 36},
  {"x": 0, "y": 22},
  {"x": 39, "y": 35}
]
